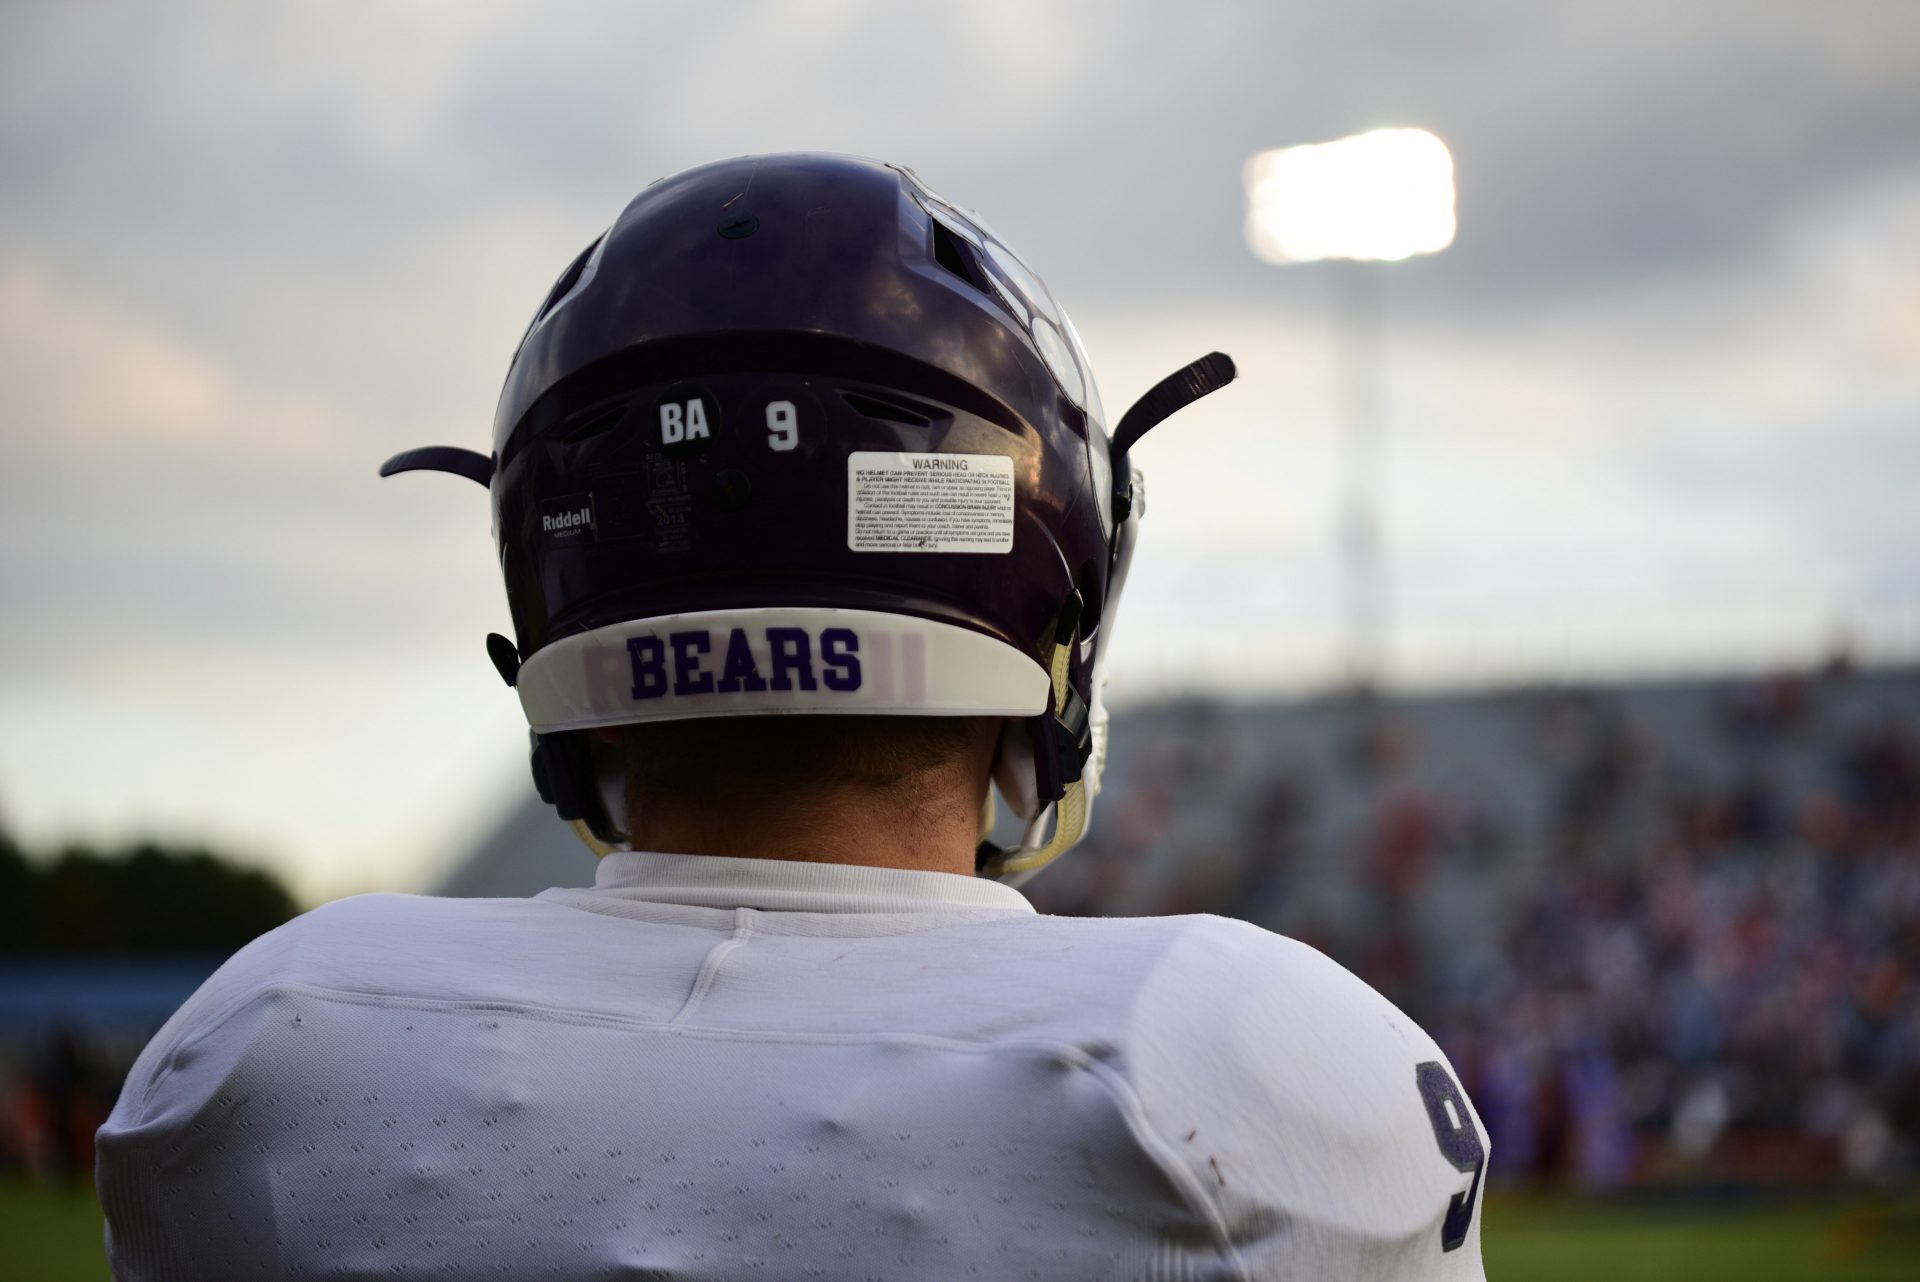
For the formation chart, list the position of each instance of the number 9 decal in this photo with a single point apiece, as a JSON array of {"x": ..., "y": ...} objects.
[
  {"x": 783, "y": 425},
  {"x": 1459, "y": 1143}
]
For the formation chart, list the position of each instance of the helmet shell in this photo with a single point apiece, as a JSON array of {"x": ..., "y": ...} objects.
[{"x": 800, "y": 310}]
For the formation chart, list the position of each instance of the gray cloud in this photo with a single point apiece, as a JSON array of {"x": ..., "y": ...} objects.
[{"x": 1595, "y": 144}]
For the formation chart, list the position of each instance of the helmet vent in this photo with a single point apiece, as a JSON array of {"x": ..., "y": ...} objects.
[
  {"x": 604, "y": 421},
  {"x": 954, "y": 254},
  {"x": 568, "y": 279},
  {"x": 885, "y": 410}
]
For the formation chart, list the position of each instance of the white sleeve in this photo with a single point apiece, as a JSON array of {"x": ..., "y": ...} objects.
[
  {"x": 147, "y": 1136},
  {"x": 1328, "y": 1128}
]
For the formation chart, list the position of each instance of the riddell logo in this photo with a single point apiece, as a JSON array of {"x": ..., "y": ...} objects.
[{"x": 566, "y": 521}]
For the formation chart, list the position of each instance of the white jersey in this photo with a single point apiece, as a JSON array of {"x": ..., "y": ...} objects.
[{"x": 747, "y": 1069}]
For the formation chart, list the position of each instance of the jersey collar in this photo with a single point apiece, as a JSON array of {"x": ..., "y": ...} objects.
[{"x": 781, "y": 885}]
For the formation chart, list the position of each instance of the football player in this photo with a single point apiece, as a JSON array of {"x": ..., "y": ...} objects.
[{"x": 814, "y": 534}]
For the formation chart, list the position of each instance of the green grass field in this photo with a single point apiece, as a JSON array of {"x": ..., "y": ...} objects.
[
  {"x": 49, "y": 1235},
  {"x": 1569, "y": 1241},
  {"x": 52, "y": 1236}
]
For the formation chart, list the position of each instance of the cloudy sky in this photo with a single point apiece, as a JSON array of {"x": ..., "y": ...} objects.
[{"x": 1658, "y": 407}]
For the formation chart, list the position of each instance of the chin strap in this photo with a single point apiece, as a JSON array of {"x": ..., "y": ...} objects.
[
  {"x": 599, "y": 848},
  {"x": 1069, "y": 813},
  {"x": 1173, "y": 393}
]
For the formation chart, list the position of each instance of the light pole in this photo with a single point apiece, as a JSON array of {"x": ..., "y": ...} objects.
[{"x": 1371, "y": 198}]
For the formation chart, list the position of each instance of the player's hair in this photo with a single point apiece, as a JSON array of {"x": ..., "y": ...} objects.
[{"x": 749, "y": 766}]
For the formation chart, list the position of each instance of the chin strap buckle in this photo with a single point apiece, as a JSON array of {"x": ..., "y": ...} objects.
[
  {"x": 1070, "y": 729},
  {"x": 1072, "y": 737}
]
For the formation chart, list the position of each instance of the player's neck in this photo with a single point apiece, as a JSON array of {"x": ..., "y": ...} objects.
[{"x": 933, "y": 831}]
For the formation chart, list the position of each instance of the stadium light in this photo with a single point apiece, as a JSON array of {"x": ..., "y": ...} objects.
[
  {"x": 1380, "y": 196},
  {"x": 1375, "y": 197}
]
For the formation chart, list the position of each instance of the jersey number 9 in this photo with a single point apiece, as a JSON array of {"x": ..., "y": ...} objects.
[{"x": 1459, "y": 1143}]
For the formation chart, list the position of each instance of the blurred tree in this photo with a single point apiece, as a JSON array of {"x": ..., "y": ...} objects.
[
  {"x": 16, "y": 892},
  {"x": 145, "y": 899}
]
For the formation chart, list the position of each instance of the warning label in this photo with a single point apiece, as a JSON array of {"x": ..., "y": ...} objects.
[{"x": 929, "y": 502}]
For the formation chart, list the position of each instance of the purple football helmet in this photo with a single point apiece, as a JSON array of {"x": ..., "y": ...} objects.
[{"x": 797, "y": 435}]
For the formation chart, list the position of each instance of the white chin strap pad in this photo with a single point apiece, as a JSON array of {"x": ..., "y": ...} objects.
[{"x": 815, "y": 659}]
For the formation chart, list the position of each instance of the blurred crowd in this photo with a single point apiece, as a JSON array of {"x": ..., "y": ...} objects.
[
  {"x": 53, "y": 1100},
  {"x": 1665, "y": 935}
]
